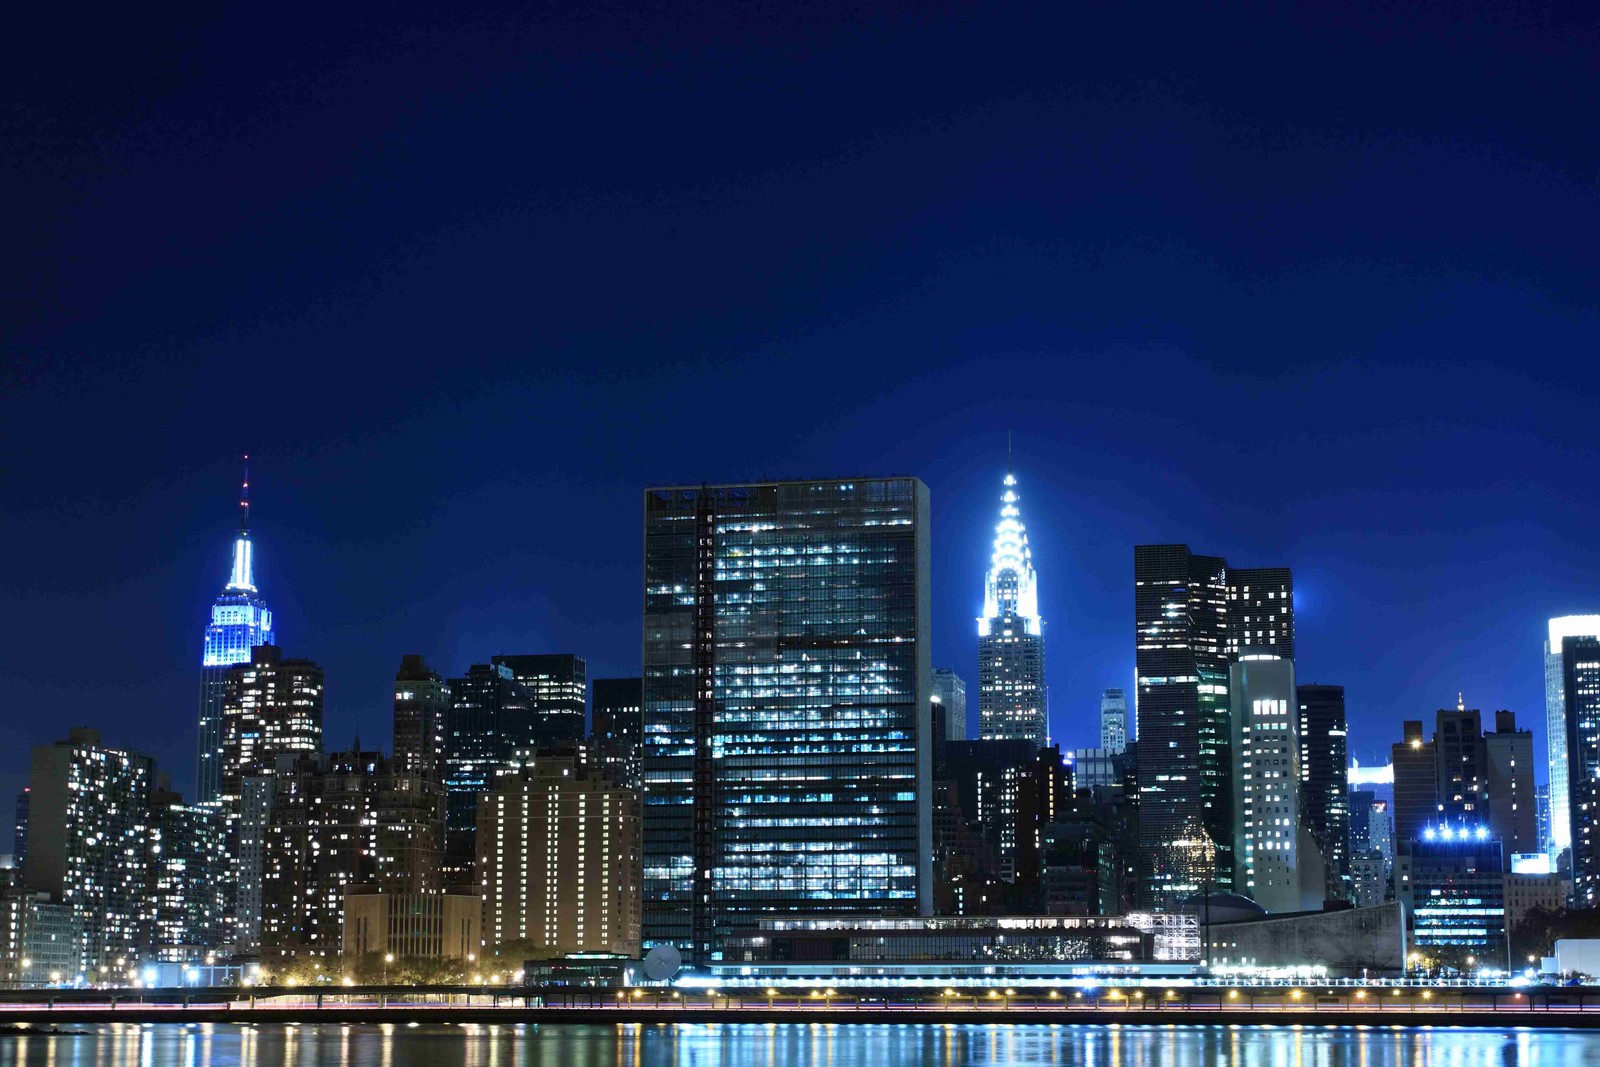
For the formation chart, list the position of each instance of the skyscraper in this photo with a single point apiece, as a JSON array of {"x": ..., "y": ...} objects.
[
  {"x": 421, "y": 708},
  {"x": 490, "y": 721},
  {"x": 1513, "y": 808},
  {"x": 1185, "y": 770},
  {"x": 240, "y": 621},
  {"x": 1461, "y": 765},
  {"x": 618, "y": 731},
  {"x": 1260, "y": 613},
  {"x": 87, "y": 841},
  {"x": 1276, "y": 861},
  {"x": 787, "y": 704},
  {"x": 1580, "y": 691},
  {"x": 19, "y": 847},
  {"x": 950, "y": 694},
  {"x": 186, "y": 898},
  {"x": 1555, "y": 710},
  {"x": 271, "y": 707},
  {"x": 1114, "y": 721},
  {"x": 558, "y": 686},
  {"x": 1011, "y": 693},
  {"x": 1416, "y": 783},
  {"x": 1325, "y": 780}
]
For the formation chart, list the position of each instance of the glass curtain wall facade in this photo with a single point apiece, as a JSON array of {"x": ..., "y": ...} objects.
[
  {"x": 558, "y": 685},
  {"x": 1185, "y": 769},
  {"x": 1555, "y": 710},
  {"x": 1581, "y": 694},
  {"x": 787, "y": 705},
  {"x": 1011, "y": 693},
  {"x": 1325, "y": 780},
  {"x": 240, "y": 620}
]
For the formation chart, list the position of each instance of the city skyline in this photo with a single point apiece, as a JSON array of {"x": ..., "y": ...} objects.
[{"x": 1338, "y": 324}]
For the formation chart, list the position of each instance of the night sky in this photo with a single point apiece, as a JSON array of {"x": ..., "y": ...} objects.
[{"x": 1295, "y": 284}]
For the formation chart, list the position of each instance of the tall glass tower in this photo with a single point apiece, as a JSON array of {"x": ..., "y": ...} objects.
[
  {"x": 240, "y": 621},
  {"x": 1011, "y": 702},
  {"x": 1555, "y": 704},
  {"x": 787, "y": 705}
]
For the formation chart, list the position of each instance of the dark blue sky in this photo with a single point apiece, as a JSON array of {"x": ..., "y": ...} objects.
[{"x": 1299, "y": 285}]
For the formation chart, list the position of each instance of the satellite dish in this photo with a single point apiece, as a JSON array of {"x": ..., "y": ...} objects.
[{"x": 661, "y": 963}]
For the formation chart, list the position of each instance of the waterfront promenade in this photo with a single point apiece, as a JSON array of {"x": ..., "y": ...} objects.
[{"x": 1205, "y": 1005}]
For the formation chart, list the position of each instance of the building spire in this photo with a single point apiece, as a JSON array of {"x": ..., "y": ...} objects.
[
  {"x": 1011, "y": 587},
  {"x": 242, "y": 576},
  {"x": 1461, "y": 701}
]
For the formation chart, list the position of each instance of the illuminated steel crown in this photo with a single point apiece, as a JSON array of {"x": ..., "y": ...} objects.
[{"x": 1012, "y": 587}]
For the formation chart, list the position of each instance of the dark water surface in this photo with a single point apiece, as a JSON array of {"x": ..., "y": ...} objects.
[{"x": 797, "y": 1045}]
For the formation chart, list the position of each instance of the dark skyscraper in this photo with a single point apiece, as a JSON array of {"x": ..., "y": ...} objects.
[
  {"x": 558, "y": 686},
  {"x": 1185, "y": 773},
  {"x": 618, "y": 732},
  {"x": 20, "y": 842},
  {"x": 1416, "y": 783},
  {"x": 1461, "y": 765},
  {"x": 491, "y": 720},
  {"x": 1011, "y": 693},
  {"x": 421, "y": 709},
  {"x": 1513, "y": 807},
  {"x": 1261, "y": 611},
  {"x": 1580, "y": 676},
  {"x": 1325, "y": 780},
  {"x": 240, "y": 621},
  {"x": 787, "y": 704}
]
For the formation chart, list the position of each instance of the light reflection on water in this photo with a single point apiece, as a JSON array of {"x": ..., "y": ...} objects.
[{"x": 795, "y": 1045}]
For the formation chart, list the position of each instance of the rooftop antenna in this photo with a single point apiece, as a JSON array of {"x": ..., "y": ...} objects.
[
  {"x": 244, "y": 496},
  {"x": 1008, "y": 452},
  {"x": 1461, "y": 701}
]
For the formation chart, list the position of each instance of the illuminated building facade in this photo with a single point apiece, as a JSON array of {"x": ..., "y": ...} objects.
[
  {"x": 1555, "y": 710},
  {"x": 1513, "y": 809},
  {"x": 950, "y": 703},
  {"x": 1452, "y": 881},
  {"x": 421, "y": 709},
  {"x": 1011, "y": 693},
  {"x": 1580, "y": 686},
  {"x": 187, "y": 899},
  {"x": 787, "y": 704},
  {"x": 41, "y": 940},
  {"x": 1325, "y": 780},
  {"x": 1260, "y": 613},
  {"x": 1114, "y": 721},
  {"x": 558, "y": 686},
  {"x": 491, "y": 720},
  {"x": 412, "y": 925},
  {"x": 558, "y": 858},
  {"x": 240, "y": 620},
  {"x": 1416, "y": 782},
  {"x": 618, "y": 733},
  {"x": 88, "y": 822},
  {"x": 271, "y": 707},
  {"x": 348, "y": 819},
  {"x": 1185, "y": 770},
  {"x": 1276, "y": 861}
]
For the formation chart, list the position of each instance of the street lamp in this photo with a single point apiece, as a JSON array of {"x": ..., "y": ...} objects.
[{"x": 388, "y": 958}]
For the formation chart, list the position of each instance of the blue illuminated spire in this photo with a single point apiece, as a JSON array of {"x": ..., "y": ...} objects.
[
  {"x": 1012, "y": 587},
  {"x": 243, "y": 574}
]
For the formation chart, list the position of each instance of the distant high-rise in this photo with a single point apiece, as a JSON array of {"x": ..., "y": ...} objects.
[
  {"x": 1580, "y": 689},
  {"x": 240, "y": 620},
  {"x": 1416, "y": 783},
  {"x": 421, "y": 710},
  {"x": 19, "y": 847},
  {"x": 618, "y": 730},
  {"x": 1325, "y": 780},
  {"x": 271, "y": 707},
  {"x": 1276, "y": 860},
  {"x": 1555, "y": 709},
  {"x": 88, "y": 824},
  {"x": 491, "y": 720},
  {"x": 950, "y": 696},
  {"x": 787, "y": 704},
  {"x": 1260, "y": 611},
  {"x": 1011, "y": 693},
  {"x": 558, "y": 685},
  {"x": 1461, "y": 765},
  {"x": 1513, "y": 807},
  {"x": 1114, "y": 721},
  {"x": 1185, "y": 770}
]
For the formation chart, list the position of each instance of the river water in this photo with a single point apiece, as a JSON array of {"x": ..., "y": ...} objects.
[{"x": 797, "y": 1045}]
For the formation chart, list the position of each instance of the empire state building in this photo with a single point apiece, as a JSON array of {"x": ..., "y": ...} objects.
[{"x": 1011, "y": 703}]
